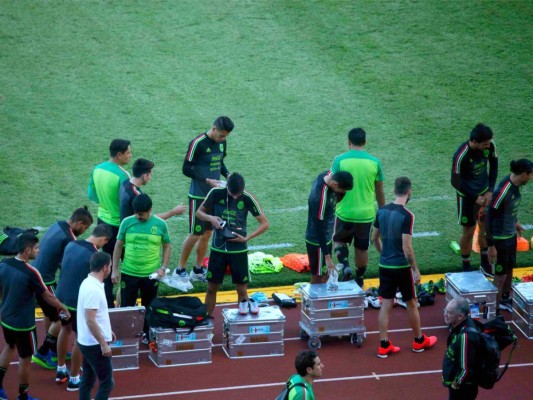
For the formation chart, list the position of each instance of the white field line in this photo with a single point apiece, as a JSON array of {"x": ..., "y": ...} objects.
[
  {"x": 426, "y": 234},
  {"x": 280, "y": 384}
]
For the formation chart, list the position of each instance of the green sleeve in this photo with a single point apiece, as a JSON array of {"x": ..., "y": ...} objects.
[
  {"x": 91, "y": 191},
  {"x": 336, "y": 166}
]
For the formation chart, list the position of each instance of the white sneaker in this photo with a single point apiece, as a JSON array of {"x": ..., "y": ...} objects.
[
  {"x": 202, "y": 277},
  {"x": 243, "y": 307},
  {"x": 366, "y": 303},
  {"x": 254, "y": 308},
  {"x": 374, "y": 301},
  {"x": 181, "y": 274}
]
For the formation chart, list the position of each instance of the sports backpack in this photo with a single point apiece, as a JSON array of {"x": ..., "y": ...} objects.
[
  {"x": 9, "y": 237},
  {"x": 179, "y": 312},
  {"x": 284, "y": 395},
  {"x": 495, "y": 335}
]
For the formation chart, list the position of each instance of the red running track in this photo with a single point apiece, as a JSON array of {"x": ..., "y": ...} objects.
[{"x": 349, "y": 373}]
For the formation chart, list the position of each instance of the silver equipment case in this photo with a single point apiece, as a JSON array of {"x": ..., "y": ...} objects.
[
  {"x": 176, "y": 347},
  {"x": 476, "y": 289},
  {"x": 327, "y": 312},
  {"x": 127, "y": 325},
  {"x": 250, "y": 336},
  {"x": 523, "y": 308}
]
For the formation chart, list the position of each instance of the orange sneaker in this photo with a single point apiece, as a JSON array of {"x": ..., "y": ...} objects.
[
  {"x": 384, "y": 352},
  {"x": 429, "y": 341}
]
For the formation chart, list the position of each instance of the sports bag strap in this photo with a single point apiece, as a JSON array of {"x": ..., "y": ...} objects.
[
  {"x": 515, "y": 343},
  {"x": 293, "y": 386}
]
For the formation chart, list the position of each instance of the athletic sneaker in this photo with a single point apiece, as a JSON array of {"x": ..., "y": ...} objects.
[
  {"x": 73, "y": 387},
  {"x": 145, "y": 340},
  {"x": 44, "y": 361},
  {"x": 243, "y": 307},
  {"x": 181, "y": 274},
  {"x": 429, "y": 341},
  {"x": 3, "y": 394},
  {"x": 384, "y": 352},
  {"x": 62, "y": 376},
  {"x": 374, "y": 301},
  {"x": 506, "y": 304},
  {"x": 365, "y": 302},
  {"x": 254, "y": 307},
  {"x": 201, "y": 277},
  {"x": 441, "y": 286},
  {"x": 53, "y": 355}
]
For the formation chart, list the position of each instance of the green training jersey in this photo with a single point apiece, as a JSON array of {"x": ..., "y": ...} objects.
[
  {"x": 143, "y": 243},
  {"x": 104, "y": 186},
  {"x": 358, "y": 204}
]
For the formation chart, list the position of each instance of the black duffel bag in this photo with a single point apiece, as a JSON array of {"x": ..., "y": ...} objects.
[
  {"x": 178, "y": 312},
  {"x": 8, "y": 240}
]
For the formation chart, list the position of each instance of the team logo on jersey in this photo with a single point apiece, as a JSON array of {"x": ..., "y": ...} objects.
[
  {"x": 208, "y": 150},
  {"x": 221, "y": 147},
  {"x": 209, "y": 274},
  {"x": 499, "y": 268},
  {"x": 464, "y": 220},
  {"x": 240, "y": 205},
  {"x": 122, "y": 285},
  {"x": 197, "y": 228},
  {"x": 486, "y": 152},
  {"x": 153, "y": 230},
  {"x": 222, "y": 201}
]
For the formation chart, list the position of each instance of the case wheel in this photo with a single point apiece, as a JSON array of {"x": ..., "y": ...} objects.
[
  {"x": 303, "y": 335},
  {"x": 314, "y": 342},
  {"x": 356, "y": 339}
]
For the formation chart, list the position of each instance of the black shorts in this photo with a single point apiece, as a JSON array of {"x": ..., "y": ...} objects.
[
  {"x": 393, "y": 279},
  {"x": 197, "y": 226},
  {"x": 130, "y": 286},
  {"x": 345, "y": 232},
  {"x": 219, "y": 261},
  {"x": 467, "y": 210},
  {"x": 506, "y": 255},
  {"x": 48, "y": 310},
  {"x": 317, "y": 259},
  {"x": 72, "y": 321},
  {"x": 26, "y": 341}
]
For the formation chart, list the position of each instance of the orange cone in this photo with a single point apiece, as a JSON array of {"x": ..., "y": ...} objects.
[{"x": 522, "y": 244}]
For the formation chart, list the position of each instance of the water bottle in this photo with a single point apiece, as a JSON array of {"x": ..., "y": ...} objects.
[{"x": 155, "y": 275}]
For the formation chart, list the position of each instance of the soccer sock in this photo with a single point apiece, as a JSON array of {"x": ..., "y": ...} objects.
[
  {"x": 484, "y": 257},
  {"x": 61, "y": 368},
  {"x": 23, "y": 391},
  {"x": 75, "y": 379},
  {"x": 198, "y": 269},
  {"x": 50, "y": 343},
  {"x": 2, "y": 374},
  {"x": 385, "y": 343},
  {"x": 342, "y": 254},
  {"x": 465, "y": 259},
  {"x": 419, "y": 339},
  {"x": 360, "y": 271}
]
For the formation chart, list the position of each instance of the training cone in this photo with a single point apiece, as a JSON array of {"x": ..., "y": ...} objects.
[
  {"x": 475, "y": 242},
  {"x": 522, "y": 244}
]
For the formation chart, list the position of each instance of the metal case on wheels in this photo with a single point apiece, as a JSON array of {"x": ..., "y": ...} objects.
[
  {"x": 523, "y": 308},
  {"x": 332, "y": 312},
  {"x": 476, "y": 289},
  {"x": 249, "y": 336},
  {"x": 127, "y": 325},
  {"x": 176, "y": 347}
]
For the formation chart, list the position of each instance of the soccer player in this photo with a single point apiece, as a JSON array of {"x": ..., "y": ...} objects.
[
  {"x": 129, "y": 190},
  {"x": 204, "y": 163},
  {"x": 474, "y": 187},
  {"x": 74, "y": 269},
  {"x": 355, "y": 213},
  {"x": 326, "y": 191},
  {"x": 308, "y": 367},
  {"x": 142, "y": 235},
  {"x": 104, "y": 186},
  {"x": 19, "y": 282},
  {"x": 228, "y": 208},
  {"x": 392, "y": 237},
  {"x": 52, "y": 246},
  {"x": 503, "y": 228}
]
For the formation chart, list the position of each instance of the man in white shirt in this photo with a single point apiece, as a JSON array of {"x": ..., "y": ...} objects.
[{"x": 94, "y": 330}]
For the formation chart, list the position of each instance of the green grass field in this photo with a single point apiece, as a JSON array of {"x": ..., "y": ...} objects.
[{"x": 294, "y": 76}]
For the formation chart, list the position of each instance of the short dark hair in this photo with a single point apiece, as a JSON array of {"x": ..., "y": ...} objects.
[
  {"x": 102, "y": 230},
  {"x": 520, "y": 166},
  {"x": 82, "y": 214},
  {"x": 357, "y": 136},
  {"x": 344, "y": 179},
  {"x": 118, "y": 146},
  {"x": 26, "y": 240},
  {"x": 402, "y": 186},
  {"x": 223, "y": 124},
  {"x": 305, "y": 359},
  {"x": 99, "y": 260},
  {"x": 141, "y": 166},
  {"x": 235, "y": 183},
  {"x": 142, "y": 203},
  {"x": 481, "y": 133}
]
